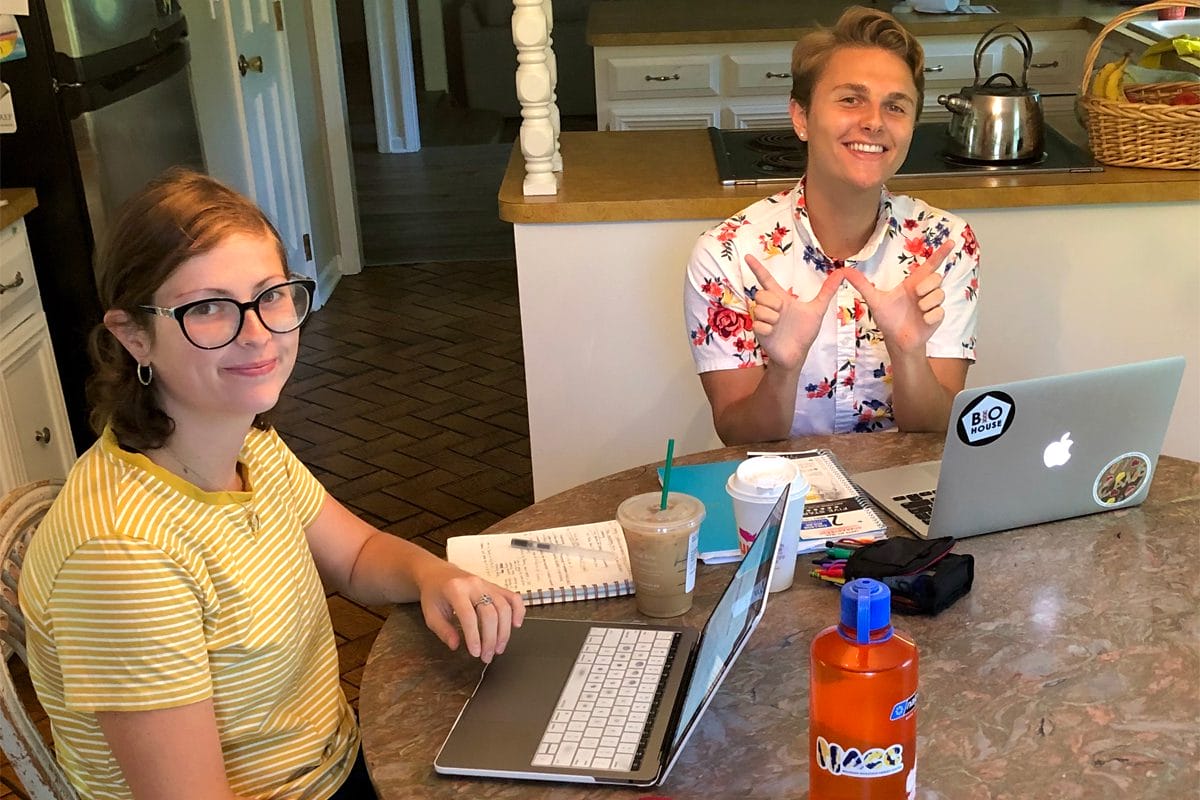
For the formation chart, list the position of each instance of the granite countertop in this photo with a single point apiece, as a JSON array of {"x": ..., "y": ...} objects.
[
  {"x": 20, "y": 202},
  {"x": 1070, "y": 670},
  {"x": 611, "y": 176},
  {"x": 651, "y": 22}
]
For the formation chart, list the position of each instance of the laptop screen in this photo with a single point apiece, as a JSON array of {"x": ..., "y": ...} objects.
[{"x": 731, "y": 621}]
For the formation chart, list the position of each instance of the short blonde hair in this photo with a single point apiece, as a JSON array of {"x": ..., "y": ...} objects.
[{"x": 857, "y": 27}]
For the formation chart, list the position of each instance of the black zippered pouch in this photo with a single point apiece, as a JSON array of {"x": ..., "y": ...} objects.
[{"x": 923, "y": 575}]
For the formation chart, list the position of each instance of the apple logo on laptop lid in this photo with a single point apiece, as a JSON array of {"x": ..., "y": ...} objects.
[{"x": 1058, "y": 452}]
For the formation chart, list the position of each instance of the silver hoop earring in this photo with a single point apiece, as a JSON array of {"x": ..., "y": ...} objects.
[{"x": 145, "y": 374}]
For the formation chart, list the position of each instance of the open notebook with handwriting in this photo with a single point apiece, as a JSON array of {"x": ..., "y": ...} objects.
[{"x": 549, "y": 576}]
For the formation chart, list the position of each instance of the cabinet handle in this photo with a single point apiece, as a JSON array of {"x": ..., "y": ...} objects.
[
  {"x": 252, "y": 64},
  {"x": 17, "y": 281},
  {"x": 935, "y": 68},
  {"x": 42, "y": 436},
  {"x": 674, "y": 77},
  {"x": 778, "y": 74},
  {"x": 1045, "y": 65}
]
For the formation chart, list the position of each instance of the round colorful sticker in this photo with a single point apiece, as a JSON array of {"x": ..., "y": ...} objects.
[{"x": 1122, "y": 480}]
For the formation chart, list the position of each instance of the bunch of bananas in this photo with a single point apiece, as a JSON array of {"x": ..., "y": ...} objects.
[{"x": 1107, "y": 81}]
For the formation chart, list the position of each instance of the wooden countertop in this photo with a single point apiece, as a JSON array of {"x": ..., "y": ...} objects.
[
  {"x": 656, "y": 22},
  {"x": 20, "y": 203},
  {"x": 671, "y": 175}
]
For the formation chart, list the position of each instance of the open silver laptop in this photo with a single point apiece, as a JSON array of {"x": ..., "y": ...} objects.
[
  {"x": 599, "y": 702},
  {"x": 1035, "y": 451}
]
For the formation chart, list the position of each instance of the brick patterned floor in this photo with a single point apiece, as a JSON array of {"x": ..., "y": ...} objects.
[{"x": 408, "y": 402}]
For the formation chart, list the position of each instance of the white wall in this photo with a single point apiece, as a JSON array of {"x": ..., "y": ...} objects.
[
  {"x": 610, "y": 376},
  {"x": 433, "y": 45}
]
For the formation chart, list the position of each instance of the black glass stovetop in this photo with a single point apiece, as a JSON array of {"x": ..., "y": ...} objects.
[{"x": 775, "y": 155}]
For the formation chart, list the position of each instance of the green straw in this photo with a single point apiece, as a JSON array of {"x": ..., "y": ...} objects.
[{"x": 662, "y": 506}]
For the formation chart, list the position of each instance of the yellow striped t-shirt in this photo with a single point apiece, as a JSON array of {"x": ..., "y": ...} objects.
[{"x": 142, "y": 591}]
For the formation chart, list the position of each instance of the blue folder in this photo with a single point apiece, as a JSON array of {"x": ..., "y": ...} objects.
[{"x": 718, "y": 532}]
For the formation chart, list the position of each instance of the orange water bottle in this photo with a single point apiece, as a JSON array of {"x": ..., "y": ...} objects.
[{"x": 862, "y": 703}]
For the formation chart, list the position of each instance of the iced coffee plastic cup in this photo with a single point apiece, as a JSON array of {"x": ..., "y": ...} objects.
[
  {"x": 754, "y": 487},
  {"x": 662, "y": 547}
]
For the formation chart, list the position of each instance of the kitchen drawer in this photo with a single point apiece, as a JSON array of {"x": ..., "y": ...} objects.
[
  {"x": 1056, "y": 65},
  {"x": 950, "y": 64},
  {"x": 757, "y": 114},
  {"x": 650, "y": 116},
  {"x": 33, "y": 418},
  {"x": 663, "y": 76},
  {"x": 19, "y": 297},
  {"x": 758, "y": 73}
]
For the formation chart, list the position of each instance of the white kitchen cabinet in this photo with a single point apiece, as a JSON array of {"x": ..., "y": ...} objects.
[
  {"x": 747, "y": 85},
  {"x": 693, "y": 86},
  {"x": 742, "y": 85},
  {"x": 949, "y": 66},
  {"x": 35, "y": 436},
  {"x": 662, "y": 115},
  {"x": 757, "y": 113}
]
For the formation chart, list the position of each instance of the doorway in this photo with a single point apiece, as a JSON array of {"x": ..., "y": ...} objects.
[
  {"x": 444, "y": 117},
  {"x": 439, "y": 202}
]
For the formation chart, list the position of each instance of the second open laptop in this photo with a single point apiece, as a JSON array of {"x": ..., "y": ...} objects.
[
  {"x": 1036, "y": 451},
  {"x": 603, "y": 702}
]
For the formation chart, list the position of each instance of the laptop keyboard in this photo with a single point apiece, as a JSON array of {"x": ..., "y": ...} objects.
[
  {"x": 920, "y": 505},
  {"x": 605, "y": 711}
]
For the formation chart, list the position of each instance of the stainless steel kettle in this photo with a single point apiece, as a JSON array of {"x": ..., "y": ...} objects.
[{"x": 993, "y": 122}]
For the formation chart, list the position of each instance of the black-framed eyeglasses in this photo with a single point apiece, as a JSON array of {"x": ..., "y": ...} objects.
[{"x": 216, "y": 321}]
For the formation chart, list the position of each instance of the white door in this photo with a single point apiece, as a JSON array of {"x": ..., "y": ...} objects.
[
  {"x": 248, "y": 124},
  {"x": 268, "y": 101}
]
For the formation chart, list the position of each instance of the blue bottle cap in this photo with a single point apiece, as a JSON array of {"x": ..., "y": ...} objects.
[{"x": 866, "y": 607}]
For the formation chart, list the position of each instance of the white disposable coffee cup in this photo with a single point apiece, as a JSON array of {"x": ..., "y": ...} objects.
[{"x": 754, "y": 487}]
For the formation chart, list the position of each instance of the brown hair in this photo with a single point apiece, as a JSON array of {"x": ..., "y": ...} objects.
[
  {"x": 177, "y": 216},
  {"x": 857, "y": 27}
]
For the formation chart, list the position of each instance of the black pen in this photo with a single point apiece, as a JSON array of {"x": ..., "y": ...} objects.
[{"x": 564, "y": 549}]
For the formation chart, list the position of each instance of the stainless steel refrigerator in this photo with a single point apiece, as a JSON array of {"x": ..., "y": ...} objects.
[{"x": 102, "y": 104}]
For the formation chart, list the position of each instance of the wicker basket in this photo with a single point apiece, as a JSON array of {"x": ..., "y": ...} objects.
[{"x": 1146, "y": 133}]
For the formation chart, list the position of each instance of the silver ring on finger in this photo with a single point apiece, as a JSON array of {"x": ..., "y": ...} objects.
[{"x": 484, "y": 600}]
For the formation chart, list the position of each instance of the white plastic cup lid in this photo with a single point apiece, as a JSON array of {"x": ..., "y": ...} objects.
[
  {"x": 762, "y": 478},
  {"x": 643, "y": 513}
]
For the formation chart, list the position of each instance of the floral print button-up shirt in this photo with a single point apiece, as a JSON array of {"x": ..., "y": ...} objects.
[{"x": 846, "y": 383}]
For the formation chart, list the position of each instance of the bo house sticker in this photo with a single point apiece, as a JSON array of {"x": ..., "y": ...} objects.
[{"x": 986, "y": 419}]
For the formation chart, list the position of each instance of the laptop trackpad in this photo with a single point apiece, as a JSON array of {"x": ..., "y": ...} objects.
[
  {"x": 500, "y": 727},
  {"x": 538, "y": 656},
  {"x": 885, "y": 484}
]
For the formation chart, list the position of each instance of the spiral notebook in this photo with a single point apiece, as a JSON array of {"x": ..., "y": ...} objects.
[
  {"x": 834, "y": 507},
  {"x": 557, "y": 576}
]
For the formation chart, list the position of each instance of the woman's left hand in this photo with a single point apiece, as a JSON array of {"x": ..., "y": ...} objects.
[
  {"x": 908, "y": 314},
  {"x": 487, "y": 613}
]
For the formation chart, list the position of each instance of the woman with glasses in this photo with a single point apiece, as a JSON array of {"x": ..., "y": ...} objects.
[{"x": 178, "y": 633}]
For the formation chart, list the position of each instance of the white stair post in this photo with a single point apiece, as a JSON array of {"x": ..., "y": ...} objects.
[
  {"x": 552, "y": 63},
  {"x": 531, "y": 23}
]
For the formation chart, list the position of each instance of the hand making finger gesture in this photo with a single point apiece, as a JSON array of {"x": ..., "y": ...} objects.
[
  {"x": 785, "y": 325},
  {"x": 909, "y": 313}
]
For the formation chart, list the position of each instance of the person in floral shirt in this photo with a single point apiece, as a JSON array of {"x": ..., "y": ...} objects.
[{"x": 837, "y": 306}]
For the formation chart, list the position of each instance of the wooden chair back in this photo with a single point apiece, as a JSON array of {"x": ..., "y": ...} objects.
[{"x": 21, "y": 510}]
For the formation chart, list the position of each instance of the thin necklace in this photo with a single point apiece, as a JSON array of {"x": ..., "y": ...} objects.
[{"x": 251, "y": 516}]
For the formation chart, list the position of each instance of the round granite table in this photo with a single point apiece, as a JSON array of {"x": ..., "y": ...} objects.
[{"x": 1071, "y": 670}]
